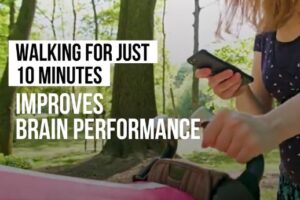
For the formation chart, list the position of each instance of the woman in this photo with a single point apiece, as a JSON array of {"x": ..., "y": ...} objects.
[{"x": 258, "y": 128}]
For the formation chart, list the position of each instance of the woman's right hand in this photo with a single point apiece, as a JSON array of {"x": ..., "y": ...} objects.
[{"x": 225, "y": 84}]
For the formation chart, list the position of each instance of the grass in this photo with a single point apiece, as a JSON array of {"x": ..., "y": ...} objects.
[
  {"x": 218, "y": 161},
  {"x": 57, "y": 153},
  {"x": 268, "y": 194}
]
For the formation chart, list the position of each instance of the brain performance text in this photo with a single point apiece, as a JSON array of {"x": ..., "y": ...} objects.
[
  {"x": 42, "y": 126},
  {"x": 137, "y": 129}
]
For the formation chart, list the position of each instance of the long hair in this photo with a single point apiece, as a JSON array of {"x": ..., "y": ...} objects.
[{"x": 264, "y": 15}]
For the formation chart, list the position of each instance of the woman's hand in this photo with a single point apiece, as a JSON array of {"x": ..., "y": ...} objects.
[
  {"x": 226, "y": 84},
  {"x": 239, "y": 135}
]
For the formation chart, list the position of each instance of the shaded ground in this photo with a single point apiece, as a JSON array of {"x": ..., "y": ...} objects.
[
  {"x": 102, "y": 167},
  {"x": 97, "y": 167}
]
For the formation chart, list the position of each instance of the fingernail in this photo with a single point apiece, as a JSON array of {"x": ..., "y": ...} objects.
[{"x": 230, "y": 72}]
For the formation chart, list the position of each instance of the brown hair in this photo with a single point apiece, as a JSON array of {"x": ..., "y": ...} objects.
[{"x": 264, "y": 15}]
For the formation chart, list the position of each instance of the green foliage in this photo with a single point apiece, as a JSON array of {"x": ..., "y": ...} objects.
[
  {"x": 184, "y": 93},
  {"x": 184, "y": 103},
  {"x": 14, "y": 161},
  {"x": 238, "y": 54},
  {"x": 6, "y": 2},
  {"x": 182, "y": 73},
  {"x": 109, "y": 21}
]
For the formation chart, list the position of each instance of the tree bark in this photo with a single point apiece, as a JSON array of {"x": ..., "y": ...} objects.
[
  {"x": 21, "y": 31},
  {"x": 195, "y": 85},
  {"x": 133, "y": 84}
]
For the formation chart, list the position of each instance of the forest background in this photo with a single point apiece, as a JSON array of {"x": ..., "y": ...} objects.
[{"x": 166, "y": 88}]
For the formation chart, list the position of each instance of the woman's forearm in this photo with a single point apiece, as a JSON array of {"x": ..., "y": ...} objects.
[
  {"x": 247, "y": 102},
  {"x": 284, "y": 120}
]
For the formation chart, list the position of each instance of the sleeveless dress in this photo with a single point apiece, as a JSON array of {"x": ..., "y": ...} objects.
[{"x": 281, "y": 76}]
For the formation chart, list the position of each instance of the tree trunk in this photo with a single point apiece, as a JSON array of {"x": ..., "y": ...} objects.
[
  {"x": 21, "y": 31},
  {"x": 133, "y": 84},
  {"x": 74, "y": 20},
  {"x": 195, "y": 86},
  {"x": 164, "y": 58},
  {"x": 62, "y": 21},
  {"x": 12, "y": 12},
  {"x": 53, "y": 19},
  {"x": 96, "y": 32},
  {"x": 73, "y": 89},
  {"x": 173, "y": 102}
]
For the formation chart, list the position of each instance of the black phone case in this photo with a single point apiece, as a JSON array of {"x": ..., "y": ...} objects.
[{"x": 204, "y": 59}]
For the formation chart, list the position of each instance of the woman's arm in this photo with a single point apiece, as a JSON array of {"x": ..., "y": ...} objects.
[
  {"x": 244, "y": 136},
  {"x": 255, "y": 99},
  {"x": 284, "y": 120}
]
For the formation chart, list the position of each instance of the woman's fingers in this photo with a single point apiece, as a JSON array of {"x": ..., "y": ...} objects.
[
  {"x": 228, "y": 133},
  {"x": 229, "y": 83},
  {"x": 212, "y": 131},
  {"x": 235, "y": 146},
  {"x": 223, "y": 140},
  {"x": 203, "y": 73},
  {"x": 251, "y": 149},
  {"x": 219, "y": 78},
  {"x": 224, "y": 84},
  {"x": 231, "y": 91}
]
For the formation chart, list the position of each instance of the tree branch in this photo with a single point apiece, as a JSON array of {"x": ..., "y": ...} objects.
[
  {"x": 74, "y": 21},
  {"x": 95, "y": 19},
  {"x": 40, "y": 11}
]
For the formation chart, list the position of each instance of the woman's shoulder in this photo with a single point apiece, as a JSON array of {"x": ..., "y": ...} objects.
[
  {"x": 266, "y": 36},
  {"x": 262, "y": 39}
]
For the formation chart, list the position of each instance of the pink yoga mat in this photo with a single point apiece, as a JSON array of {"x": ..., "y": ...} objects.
[{"x": 16, "y": 184}]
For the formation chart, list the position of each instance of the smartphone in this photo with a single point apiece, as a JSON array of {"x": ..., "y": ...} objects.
[{"x": 204, "y": 59}]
